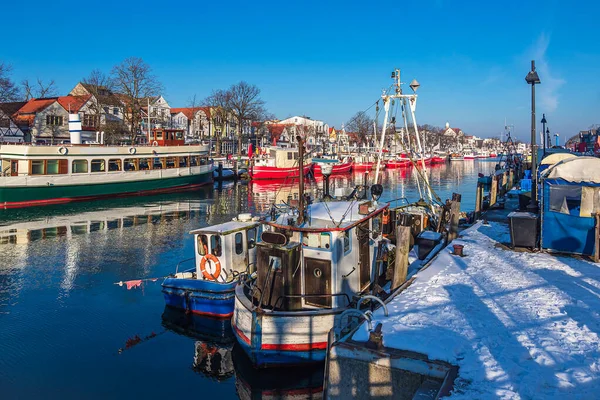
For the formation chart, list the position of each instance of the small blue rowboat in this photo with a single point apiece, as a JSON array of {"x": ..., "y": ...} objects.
[{"x": 223, "y": 253}]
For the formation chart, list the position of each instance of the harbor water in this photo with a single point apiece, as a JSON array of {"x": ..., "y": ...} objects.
[{"x": 69, "y": 330}]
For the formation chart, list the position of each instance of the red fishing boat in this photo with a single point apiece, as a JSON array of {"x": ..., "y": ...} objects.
[
  {"x": 338, "y": 166},
  {"x": 398, "y": 163},
  {"x": 438, "y": 160},
  {"x": 278, "y": 163}
]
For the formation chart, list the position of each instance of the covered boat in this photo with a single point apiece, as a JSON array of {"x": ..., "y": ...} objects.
[
  {"x": 338, "y": 166},
  {"x": 223, "y": 253}
]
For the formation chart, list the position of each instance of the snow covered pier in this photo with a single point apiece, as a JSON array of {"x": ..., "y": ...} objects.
[{"x": 495, "y": 323}]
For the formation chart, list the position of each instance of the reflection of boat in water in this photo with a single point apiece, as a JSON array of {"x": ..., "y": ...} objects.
[
  {"x": 214, "y": 344},
  {"x": 82, "y": 218},
  {"x": 297, "y": 383}
]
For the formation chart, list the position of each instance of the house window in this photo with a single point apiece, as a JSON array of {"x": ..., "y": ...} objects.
[
  {"x": 239, "y": 243},
  {"x": 105, "y": 110},
  {"x": 114, "y": 165},
  {"x": 90, "y": 120},
  {"x": 54, "y": 120},
  {"x": 80, "y": 166},
  {"x": 116, "y": 110},
  {"x": 98, "y": 165}
]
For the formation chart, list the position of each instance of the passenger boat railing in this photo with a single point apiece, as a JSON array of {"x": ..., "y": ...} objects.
[{"x": 182, "y": 262}]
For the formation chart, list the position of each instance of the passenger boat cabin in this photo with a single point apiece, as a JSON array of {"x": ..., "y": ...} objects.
[
  {"x": 279, "y": 158},
  {"x": 166, "y": 137},
  {"x": 233, "y": 244}
]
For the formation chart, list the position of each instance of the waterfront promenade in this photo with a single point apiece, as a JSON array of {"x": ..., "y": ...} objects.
[{"x": 516, "y": 324}]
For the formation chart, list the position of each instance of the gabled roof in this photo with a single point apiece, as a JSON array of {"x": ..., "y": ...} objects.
[
  {"x": 11, "y": 108},
  {"x": 331, "y": 130},
  {"x": 190, "y": 111},
  {"x": 73, "y": 103},
  {"x": 37, "y": 105}
]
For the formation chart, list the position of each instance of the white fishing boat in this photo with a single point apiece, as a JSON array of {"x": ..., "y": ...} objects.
[{"x": 318, "y": 261}]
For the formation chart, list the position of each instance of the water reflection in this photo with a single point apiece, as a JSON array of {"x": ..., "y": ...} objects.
[{"x": 58, "y": 300}]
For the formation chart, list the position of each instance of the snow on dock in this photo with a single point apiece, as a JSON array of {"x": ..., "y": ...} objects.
[{"x": 517, "y": 324}]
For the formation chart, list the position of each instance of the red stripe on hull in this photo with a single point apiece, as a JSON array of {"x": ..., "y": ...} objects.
[
  {"x": 337, "y": 169},
  {"x": 295, "y": 347},
  {"x": 213, "y": 315},
  {"x": 398, "y": 164},
  {"x": 276, "y": 173},
  {"x": 64, "y": 200},
  {"x": 363, "y": 166},
  {"x": 241, "y": 334}
]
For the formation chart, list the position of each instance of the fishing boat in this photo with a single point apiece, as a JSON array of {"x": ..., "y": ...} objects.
[
  {"x": 36, "y": 175},
  {"x": 469, "y": 155},
  {"x": 456, "y": 157},
  {"x": 316, "y": 262},
  {"x": 398, "y": 162},
  {"x": 278, "y": 163},
  {"x": 437, "y": 160},
  {"x": 338, "y": 166},
  {"x": 364, "y": 162},
  {"x": 223, "y": 254}
]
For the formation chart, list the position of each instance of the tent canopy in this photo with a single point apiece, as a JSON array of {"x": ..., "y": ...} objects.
[
  {"x": 556, "y": 158},
  {"x": 576, "y": 170}
]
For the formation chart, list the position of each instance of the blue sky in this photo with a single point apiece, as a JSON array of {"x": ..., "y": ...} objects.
[{"x": 330, "y": 59}]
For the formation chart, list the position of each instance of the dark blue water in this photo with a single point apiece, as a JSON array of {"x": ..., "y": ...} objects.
[{"x": 67, "y": 331}]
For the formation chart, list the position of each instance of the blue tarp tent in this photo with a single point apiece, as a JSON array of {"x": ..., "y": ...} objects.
[{"x": 570, "y": 194}]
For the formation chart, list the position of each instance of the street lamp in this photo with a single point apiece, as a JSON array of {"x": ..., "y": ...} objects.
[
  {"x": 532, "y": 79},
  {"x": 548, "y": 137},
  {"x": 543, "y": 121}
]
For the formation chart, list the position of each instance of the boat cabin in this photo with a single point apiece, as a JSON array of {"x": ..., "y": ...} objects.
[
  {"x": 231, "y": 244},
  {"x": 279, "y": 158},
  {"x": 166, "y": 137},
  {"x": 320, "y": 264}
]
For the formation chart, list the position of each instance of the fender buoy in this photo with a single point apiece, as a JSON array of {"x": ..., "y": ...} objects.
[
  {"x": 207, "y": 275},
  {"x": 155, "y": 143},
  {"x": 386, "y": 217},
  {"x": 63, "y": 150},
  {"x": 132, "y": 150}
]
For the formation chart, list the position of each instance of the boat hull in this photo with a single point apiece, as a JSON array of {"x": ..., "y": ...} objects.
[
  {"x": 398, "y": 164},
  {"x": 267, "y": 339},
  {"x": 337, "y": 169},
  {"x": 54, "y": 193},
  {"x": 263, "y": 172},
  {"x": 201, "y": 297},
  {"x": 438, "y": 160},
  {"x": 364, "y": 166}
]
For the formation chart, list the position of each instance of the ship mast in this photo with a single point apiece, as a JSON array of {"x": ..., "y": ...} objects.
[{"x": 396, "y": 93}]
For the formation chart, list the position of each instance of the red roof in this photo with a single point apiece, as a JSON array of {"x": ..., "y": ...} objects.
[
  {"x": 190, "y": 111},
  {"x": 73, "y": 103},
  {"x": 26, "y": 114},
  {"x": 331, "y": 129},
  {"x": 276, "y": 130}
]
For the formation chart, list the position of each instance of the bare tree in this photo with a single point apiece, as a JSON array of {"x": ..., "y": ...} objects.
[
  {"x": 219, "y": 101},
  {"x": 9, "y": 92},
  {"x": 362, "y": 125},
  {"x": 246, "y": 105},
  {"x": 133, "y": 79},
  {"x": 100, "y": 85},
  {"x": 38, "y": 89}
]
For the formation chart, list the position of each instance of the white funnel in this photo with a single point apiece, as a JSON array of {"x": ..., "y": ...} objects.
[{"x": 75, "y": 128}]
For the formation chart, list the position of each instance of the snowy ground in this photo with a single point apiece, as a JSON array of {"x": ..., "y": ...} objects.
[{"x": 518, "y": 325}]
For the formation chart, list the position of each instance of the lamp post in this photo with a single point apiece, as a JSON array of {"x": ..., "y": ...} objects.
[
  {"x": 548, "y": 137},
  {"x": 543, "y": 121},
  {"x": 532, "y": 79}
]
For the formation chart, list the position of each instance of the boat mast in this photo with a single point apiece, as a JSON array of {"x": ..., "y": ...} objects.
[{"x": 301, "y": 177}]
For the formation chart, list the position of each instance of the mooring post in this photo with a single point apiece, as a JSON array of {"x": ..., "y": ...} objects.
[
  {"x": 493, "y": 190},
  {"x": 511, "y": 179},
  {"x": 478, "y": 200},
  {"x": 220, "y": 171},
  {"x": 402, "y": 248},
  {"x": 454, "y": 216},
  {"x": 597, "y": 238}
]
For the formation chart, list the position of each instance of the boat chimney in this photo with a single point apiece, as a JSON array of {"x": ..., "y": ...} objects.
[
  {"x": 75, "y": 128},
  {"x": 326, "y": 170}
]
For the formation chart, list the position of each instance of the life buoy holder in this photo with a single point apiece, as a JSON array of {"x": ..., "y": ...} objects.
[
  {"x": 207, "y": 275},
  {"x": 63, "y": 150},
  {"x": 132, "y": 150},
  {"x": 155, "y": 143}
]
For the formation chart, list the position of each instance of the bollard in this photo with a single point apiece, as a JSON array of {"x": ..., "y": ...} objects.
[
  {"x": 220, "y": 171},
  {"x": 493, "y": 191},
  {"x": 403, "y": 236},
  {"x": 454, "y": 216},
  {"x": 478, "y": 200}
]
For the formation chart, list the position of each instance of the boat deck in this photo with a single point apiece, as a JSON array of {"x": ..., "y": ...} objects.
[{"x": 516, "y": 324}]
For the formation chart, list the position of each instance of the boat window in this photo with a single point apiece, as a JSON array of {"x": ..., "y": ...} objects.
[
  {"x": 114, "y": 164},
  {"x": 170, "y": 162},
  {"x": 158, "y": 134},
  {"x": 215, "y": 245},
  {"x": 80, "y": 166},
  {"x": 37, "y": 167},
  {"x": 295, "y": 156},
  {"x": 144, "y": 164},
  {"x": 157, "y": 163},
  {"x": 193, "y": 161},
  {"x": 130, "y": 164},
  {"x": 239, "y": 243},
  {"x": 346, "y": 241},
  {"x": 179, "y": 135},
  {"x": 98, "y": 165},
  {"x": 203, "y": 160},
  {"x": 183, "y": 161},
  {"x": 202, "y": 245},
  {"x": 565, "y": 199},
  {"x": 317, "y": 240},
  {"x": 289, "y": 155},
  {"x": 251, "y": 236}
]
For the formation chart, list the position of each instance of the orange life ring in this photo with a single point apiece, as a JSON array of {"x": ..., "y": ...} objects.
[
  {"x": 386, "y": 217},
  {"x": 205, "y": 273}
]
